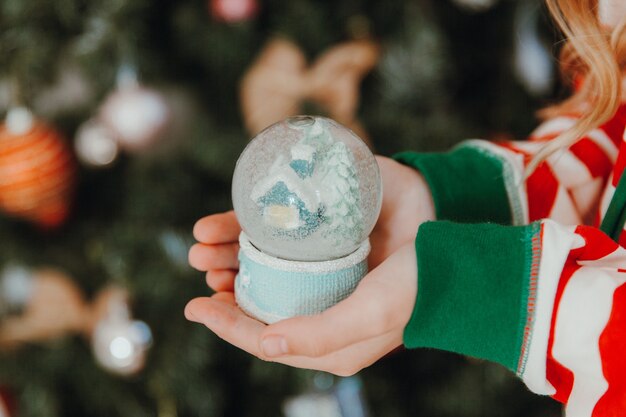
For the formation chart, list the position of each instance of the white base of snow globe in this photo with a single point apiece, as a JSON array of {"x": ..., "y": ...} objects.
[{"x": 272, "y": 289}]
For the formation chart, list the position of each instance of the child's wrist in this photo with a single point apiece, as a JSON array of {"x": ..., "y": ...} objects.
[
  {"x": 417, "y": 196},
  {"x": 423, "y": 197}
]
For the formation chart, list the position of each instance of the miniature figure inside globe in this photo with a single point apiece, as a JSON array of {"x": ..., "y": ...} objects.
[{"x": 307, "y": 189}]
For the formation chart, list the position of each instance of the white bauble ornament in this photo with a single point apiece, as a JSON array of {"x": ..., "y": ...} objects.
[
  {"x": 19, "y": 121},
  {"x": 532, "y": 60},
  {"x": 95, "y": 144},
  {"x": 342, "y": 397},
  {"x": 119, "y": 343},
  {"x": 234, "y": 11},
  {"x": 16, "y": 288},
  {"x": 138, "y": 116}
]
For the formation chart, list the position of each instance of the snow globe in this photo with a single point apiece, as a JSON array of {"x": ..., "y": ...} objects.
[{"x": 307, "y": 193}]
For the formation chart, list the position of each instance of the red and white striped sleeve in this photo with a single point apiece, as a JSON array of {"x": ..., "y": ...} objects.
[
  {"x": 482, "y": 181},
  {"x": 516, "y": 279},
  {"x": 569, "y": 185},
  {"x": 545, "y": 300},
  {"x": 586, "y": 365}
]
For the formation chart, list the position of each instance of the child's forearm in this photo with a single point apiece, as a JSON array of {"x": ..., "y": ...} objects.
[{"x": 544, "y": 300}]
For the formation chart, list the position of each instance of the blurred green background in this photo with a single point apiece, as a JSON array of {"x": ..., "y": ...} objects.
[{"x": 447, "y": 71}]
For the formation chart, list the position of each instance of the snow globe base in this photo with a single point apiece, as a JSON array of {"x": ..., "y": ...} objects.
[{"x": 272, "y": 289}]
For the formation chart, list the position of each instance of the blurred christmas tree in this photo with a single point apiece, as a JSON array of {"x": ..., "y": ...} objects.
[{"x": 147, "y": 94}]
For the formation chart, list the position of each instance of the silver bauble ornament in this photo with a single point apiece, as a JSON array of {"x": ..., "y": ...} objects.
[
  {"x": 234, "y": 11},
  {"x": 95, "y": 144},
  {"x": 329, "y": 397},
  {"x": 119, "y": 343},
  {"x": 16, "y": 287},
  {"x": 138, "y": 116},
  {"x": 532, "y": 58}
]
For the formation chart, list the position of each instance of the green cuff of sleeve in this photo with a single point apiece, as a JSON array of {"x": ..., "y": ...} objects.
[
  {"x": 467, "y": 184},
  {"x": 473, "y": 289}
]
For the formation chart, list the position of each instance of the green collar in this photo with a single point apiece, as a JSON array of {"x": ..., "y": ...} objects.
[{"x": 615, "y": 217}]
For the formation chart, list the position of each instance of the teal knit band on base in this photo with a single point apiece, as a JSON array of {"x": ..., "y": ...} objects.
[{"x": 272, "y": 289}]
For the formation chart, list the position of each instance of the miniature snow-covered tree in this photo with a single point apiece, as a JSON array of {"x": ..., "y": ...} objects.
[{"x": 342, "y": 197}]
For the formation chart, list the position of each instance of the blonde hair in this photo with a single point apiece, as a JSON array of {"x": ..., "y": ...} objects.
[{"x": 592, "y": 55}]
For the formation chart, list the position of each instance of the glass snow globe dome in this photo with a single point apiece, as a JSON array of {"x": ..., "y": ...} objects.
[{"x": 307, "y": 189}]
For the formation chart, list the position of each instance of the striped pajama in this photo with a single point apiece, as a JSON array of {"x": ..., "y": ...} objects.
[{"x": 525, "y": 271}]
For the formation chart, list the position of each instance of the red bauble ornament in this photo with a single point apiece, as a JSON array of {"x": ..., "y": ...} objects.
[
  {"x": 234, "y": 11},
  {"x": 37, "y": 172},
  {"x": 7, "y": 403}
]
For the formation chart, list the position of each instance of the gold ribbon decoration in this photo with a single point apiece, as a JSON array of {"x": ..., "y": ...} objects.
[
  {"x": 280, "y": 80},
  {"x": 54, "y": 306}
]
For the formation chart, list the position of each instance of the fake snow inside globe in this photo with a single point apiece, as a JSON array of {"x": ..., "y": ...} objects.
[{"x": 307, "y": 193}]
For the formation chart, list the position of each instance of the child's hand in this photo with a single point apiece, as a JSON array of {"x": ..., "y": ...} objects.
[
  {"x": 354, "y": 333},
  {"x": 407, "y": 203},
  {"x": 342, "y": 340}
]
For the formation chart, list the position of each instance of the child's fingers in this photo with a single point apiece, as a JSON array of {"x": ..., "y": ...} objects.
[
  {"x": 221, "y": 279},
  {"x": 381, "y": 302},
  {"x": 316, "y": 336},
  {"x": 206, "y": 257},
  {"x": 221, "y": 315},
  {"x": 217, "y": 228},
  {"x": 347, "y": 361}
]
